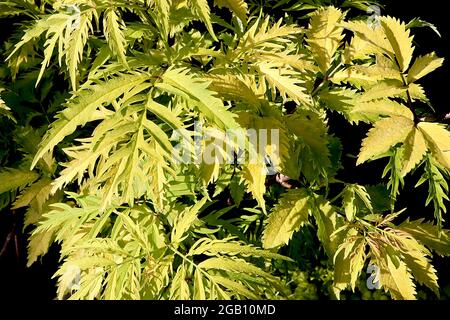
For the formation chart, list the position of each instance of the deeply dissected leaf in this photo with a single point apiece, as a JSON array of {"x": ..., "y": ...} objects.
[
  {"x": 325, "y": 35},
  {"x": 239, "y": 7},
  {"x": 12, "y": 179},
  {"x": 196, "y": 91}
]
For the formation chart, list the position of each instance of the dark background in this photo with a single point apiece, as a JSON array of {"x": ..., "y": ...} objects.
[{"x": 19, "y": 282}]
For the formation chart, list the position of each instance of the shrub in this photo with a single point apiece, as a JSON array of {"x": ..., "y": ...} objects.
[{"x": 182, "y": 149}]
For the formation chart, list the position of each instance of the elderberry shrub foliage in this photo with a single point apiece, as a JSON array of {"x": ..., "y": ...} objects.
[{"x": 97, "y": 93}]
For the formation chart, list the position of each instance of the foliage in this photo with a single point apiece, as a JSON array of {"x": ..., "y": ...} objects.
[{"x": 117, "y": 91}]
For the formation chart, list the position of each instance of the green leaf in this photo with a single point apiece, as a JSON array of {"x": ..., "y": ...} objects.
[
  {"x": 351, "y": 194},
  {"x": 12, "y": 179},
  {"x": 254, "y": 175},
  {"x": 412, "y": 151},
  {"x": 113, "y": 28},
  {"x": 202, "y": 9},
  {"x": 325, "y": 35},
  {"x": 397, "y": 279},
  {"x": 423, "y": 66},
  {"x": 328, "y": 223},
  {"x": 286, "y": 81},
  {"x": 437, "y": 138},
  {"x": 76, "y": 44},
  {"x": 86, "y": 107},
  {"x": 428, "y": 234},
  {"x": 385, "y": 134},
  {"x": 184, "y": 221},
  {"x": 287, "y": 217},
  {"x": 400, "y": 40},
  {"x": 38, "y": 245},
  {"x": 179, "y": 82},
  {"x": 239, "y": 7}
]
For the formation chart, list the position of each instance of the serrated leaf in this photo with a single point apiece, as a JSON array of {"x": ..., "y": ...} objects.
[
  {"x": 78, "y": 39},
  {"x": 39, "y": 190},
  {"x": 202, "y": 9},
  {"x": 328, "y": 222},
  {"x": 288, "y": 216},
  {"x": 325, "y": 35},
  {"x": 422, "y": 270},
  {"x": 385, "y": 134},
  {"x": 400, "y": 40},
  {"x": 286, "y": 81},
  {"x": 423, "y": 66},
  {"x": 197, "y": 91},
  {"x": 38, "y": 245},
  {"x": 113, "y": 28},
  {"x": 428, "y": 234},
  {"x": 254, "y": 175},
  {"x": 397, "y": 279},
  {"x": 184, "y": 222},
  {"x": 437, "y": 138},
  {"x": 383, "y": 90},
  {"x": 12, "y": 179},
  {"x": 84, "y": 108},
  {"x": 412, "y": 151},
  {"x": 372, "y": 111},
  {"x": 239, "y": 7}
]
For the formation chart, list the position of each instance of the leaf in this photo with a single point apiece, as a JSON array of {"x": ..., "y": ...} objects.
[
  {"x": 367, "y": 40},
  {"x": 373, "y": 111},
  {"x": 265, "y": 37},
  {"x": 199, "y": 287},
  {"x": 202, "y": 9},
  {"x": 412, "y": 151},
  {"x": 424, "y": 273},
  {"x": 397, "y": 279},
  {"x": 210, "y": 247},
  {"x": 84, "y": 107},
  {"x": 423, "y": 66},
  {"x": 185, "y": 221},
  {"x": 239, "y": 7},
  {"x": 328, "y": 223},
  {"x": 348, "y": 263},
  {"x": 419, "y": 23},
  {"x": 235, "y": 286},
  {"x": 269, "y": 137},
  {"x": 385, "y": 134},
  {"x": 74, "y": 51},
  {"x": 287, "y": 217},
  {"x": 228, "y": 264},
  {"x": 12, "y": 179},
  {"x": 5, "y": 110},
  {"x": 428, "y": 234},
  {"x": 437, "y": 138},
  {"x": 254, "y": 175},
  {"x": 195, "y": 90},
  {"x": 351, "y": 194},
  {"x": 325, "y": 35},
  {"x": 38, "y": 245},
  {"x": 311, "y": 133},
  {"x": 383, "y": 90},
  {"x": 39, "y": 190},
  {"x": 113, "y": 28},
  {"x": 286, "y": 81},
  {"x": 232, "y": 87},
  {"x": 400, "y": 40}
]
